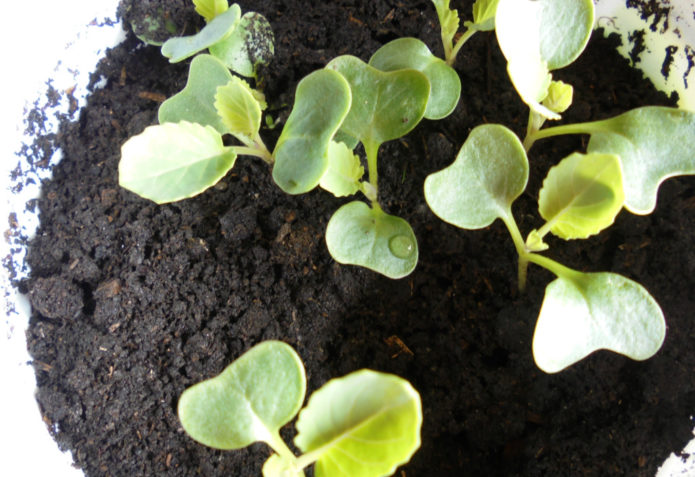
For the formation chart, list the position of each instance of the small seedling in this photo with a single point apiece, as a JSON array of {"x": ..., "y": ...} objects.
[
  {"x": 364, "y": 424},
  {"x": 628, "y": 157}
]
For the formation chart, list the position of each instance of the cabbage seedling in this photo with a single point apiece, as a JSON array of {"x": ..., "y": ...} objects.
[
  {"x": 242, "y": 42},
  {"x": 364, "y": 424},
  {"x": 581, "y": 312}
]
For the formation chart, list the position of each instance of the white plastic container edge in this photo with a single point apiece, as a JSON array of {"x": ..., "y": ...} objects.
[{"x": 64, "y": 40}]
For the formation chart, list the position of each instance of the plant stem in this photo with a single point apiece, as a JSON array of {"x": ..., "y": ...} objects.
[
  {"x": 535, "y": 122},
  {"x": 578, "y": 128},
  {"x": 254, "y": 151},
  {"x": 451, "y": 55},
  {"x": 278, "y": 445},
  {"x": 557, "y": 268},
  {"x": 372, "y": 149},
  {"x": 520, "y": 246}
]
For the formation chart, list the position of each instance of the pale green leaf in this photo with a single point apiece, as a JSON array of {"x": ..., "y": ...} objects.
[
  {"x": 195, "y": 103},
  {"x": 250, "y": 45},
  {"x": 239, "y": 109},
  {"x": 362, "y": 425},
  {"x": 301, "y": 153},
  {"x": 209, "y": 9},
  {"x": 249, "y": 401},
  {"x": 368, "y": 237},
  {"x": 559, "y": 96},
  {"x": 278, "y": 466},
  {"x": 566, "y": 26},
  {"x": 448, "y": 22},
  {"x": 385, "y": 105},
  {"x": 589, "y": 312},
  {"x": 174, "y": 161},
  {"x": 582, "y": 195},
  {"x": 653, "y": 142},
  {"x": 484, "y": 14},
  {"x": 344, "y": 171},
  {"x": 411, "y": 53},
  {"x": 489, "y": 173},
  {"x": 180, "y": 48}
]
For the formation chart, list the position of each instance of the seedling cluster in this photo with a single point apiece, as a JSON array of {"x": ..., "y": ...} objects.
[{"x": 352, "y": 102}]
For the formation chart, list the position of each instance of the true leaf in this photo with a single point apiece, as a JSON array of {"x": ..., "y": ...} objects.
[
  {"x": 209, "y": 9},
  {"x": 239, "y": 109},
  {"x": 448, "y": 22},
  {"x": 653, "y": 142},
  {"x": 582, "y": 195},
  {"x": 322, "y": 101},
  {"x": 249, "y": 401},
  {"x": 489, "y": 173},
  {"x": 362, "y": 425},
  {"x": 344, "y": 171},
  {"x": 174, "y": 161},
  {"x": 385, "y": 105},
  {"x": 180, "y": 48},
  {"x": 250, "y": 45},
  {"x": 588, "y": 312},
  {"x": 195, "y": 103},
  {"x": 368, "y": 237},
  {"x": 559, "y": 96},
  {"x": 484, "y": 14},
  {"x": 411, "y": 53}
]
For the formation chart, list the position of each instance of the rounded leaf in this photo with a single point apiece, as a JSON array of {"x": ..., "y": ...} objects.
[
  {"x": 179, "y": 48},
  {"x": 595, "y": 311},
  {"x": 195, "y": 102},
  {"x": 489, "y": 173},
  {"x": 362, "y": 425},
  {"x": 411, "y": 53},
  {"x": 582, "y": 195},
  {"x": 360, "y": 235},
  {"x": 250, "y": 45},
  {"x": 321, "y": 103},
  {"x": 174, "y": 161},
  {"x": 249, "y": 401},
  {"x": 385, "y": 105}
]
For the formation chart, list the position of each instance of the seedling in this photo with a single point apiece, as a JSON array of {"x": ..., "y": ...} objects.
[
  {"x": 628, "y": 157},
  {"x": 364, "y": 424}
]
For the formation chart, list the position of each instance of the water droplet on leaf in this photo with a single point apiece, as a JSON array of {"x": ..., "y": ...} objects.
[{"x": 401, "y": 246}]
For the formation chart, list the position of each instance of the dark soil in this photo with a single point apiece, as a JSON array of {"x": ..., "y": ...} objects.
[{"x": 133, "y": 302}]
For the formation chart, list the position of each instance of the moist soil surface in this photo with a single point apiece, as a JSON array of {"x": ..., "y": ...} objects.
[{"x": 134, "y": 302}]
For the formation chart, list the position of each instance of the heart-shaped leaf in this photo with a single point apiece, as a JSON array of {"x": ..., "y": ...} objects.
[
  {"x": 321, "y": 103},
  {"x": 180, "y": 48},
  {"x": 582, "y": 195},
  {"x": 249, "y": 401},
  {"x": 653, "y": 142},
  {"x": 195, "y": 102},
  {"x": 344, "y": 171},
  {"x": 385, "y": 105},
  {"x": 588, "y": 312},
  {"x": 239, "y": 109},
  {"x": 368, "y": 237},
  {"x": 411, "y": 53},
  {"x": 250, "y": 45},
  {"x": 174, "y": 161},
  {"x": 489, "y": 173},
  {"x": 362, "y": 425}
]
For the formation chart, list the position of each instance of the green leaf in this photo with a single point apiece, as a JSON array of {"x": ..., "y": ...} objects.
[
  {"x": 174, "y": 161},
  {"x": 250, "y": 45},
  {"x": 368, "y": 237},
  {"x": 484, "y": 14},
  {"x": 385, "y": 105},
  {"x": 279, "y": 466},
  {"x": 239, "y": 109},
  {"x": 209, "y": 9},
  {"x": 593, "y": 311},
  {"x": 178, "y": 49},
  {"x": 362, "y": 425},
  {"x": 653, "y": 142},
  {"x": 489, "y": 173},
  {"x": 411, "y": 53},
  {"x": 249, "y": 401},
  {"x": 195, "y": 103},
  {"x": 559, "y": 97},
  {"x": 582, "y": 195},
  {"x": 344, "y": 171},
  {"x": 448, "y": 21},
  {"x": 321, "y": 103}
]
